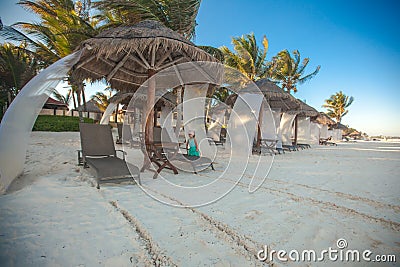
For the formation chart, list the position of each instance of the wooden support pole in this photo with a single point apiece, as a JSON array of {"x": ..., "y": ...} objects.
[
  {"x": 295, "y": 130},
  {"x": 260, "y": 118},
  {"x": 151, "y": 94}
]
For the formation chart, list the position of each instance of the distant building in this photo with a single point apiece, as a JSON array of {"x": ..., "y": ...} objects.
[
  {"x": 54, "y": 107},
  {"x": 92, "y": 111}
]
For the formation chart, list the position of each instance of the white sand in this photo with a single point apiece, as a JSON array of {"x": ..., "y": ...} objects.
[{"x": 53, "y": 216}]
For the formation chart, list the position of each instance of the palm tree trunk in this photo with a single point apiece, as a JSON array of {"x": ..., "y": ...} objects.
[
  {"x": 83, "y": 96},
  {"x": 73, "y": 90},
  {"x": 78, "y": 97},
  {"x": 116, "y": 114}
]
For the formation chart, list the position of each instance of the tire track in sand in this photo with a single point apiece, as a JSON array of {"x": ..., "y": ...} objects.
[
  {"x": 155, "y": 255},
  {"x": 247, "y": 246},
  {"x": 326, "y": 204},
  {"x": 342, "y": 195}
]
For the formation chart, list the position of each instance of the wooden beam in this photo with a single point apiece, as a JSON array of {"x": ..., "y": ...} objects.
[
  {"x": 177, "y": 73},
  {"x": 151, "y": 92},
  {"x": 138, "y": 61},
  {"x": 93, "y": 71},
  {"x": 117, "y": 79},
  {"x": 205, "y": 74},
  {"x": 122, "y": 69},
  {"x": 143, "y": 59},
  {"x": 260, "y": 119},
  {"x": 162, "y": 59},
  {"x": 125, "y": 81},
  {"x": 153, "y": 56},
  {"x": 172, "y": 63},
  {"x": 86, "y": 61},
  {"x": 295, "y": 130},
  {"x": 117, "y": 67}
]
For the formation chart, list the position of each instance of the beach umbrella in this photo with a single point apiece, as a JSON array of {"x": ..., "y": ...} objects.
[{"x": 127, "y": 56}]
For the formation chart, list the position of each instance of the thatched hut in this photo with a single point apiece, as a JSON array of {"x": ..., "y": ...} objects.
[
  {"x": 90, "y": 110},
  {"x": 276, "y": 97},
  {"x": 304, "y": 110},
  {"x": 278, "y": 100},
  {"x": 302, "y": 120},
  {"x": 127, "y": 56},
  {"x": 324, "y": 119}
]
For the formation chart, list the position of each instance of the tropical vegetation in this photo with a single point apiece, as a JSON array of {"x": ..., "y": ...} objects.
[
  {"x": 49, "y": 123},
  {"x": 102, "y": 100},
  {"x": 337, "y": 105},
  {"x": 288, "y": 70},
  {"x": 247, "y": 57},
  {"x": 64, "y": 24},
  {"x": 17, "y": 67}
]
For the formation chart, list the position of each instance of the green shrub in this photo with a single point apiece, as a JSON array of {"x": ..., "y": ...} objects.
[{"x": 50, "y": 123}]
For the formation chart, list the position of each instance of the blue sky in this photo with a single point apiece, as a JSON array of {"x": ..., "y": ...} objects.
[{"x": 354, "y": 41}]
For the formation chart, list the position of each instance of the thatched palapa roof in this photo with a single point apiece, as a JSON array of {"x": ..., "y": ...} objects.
[
  {"x": 168, "y": 99},
  {"x": 276, "y": 97},
  {"x": 304, "y": 110},
  {"x": 91, "y": 106},
  {"x": 322, "y": 118},
  {"x": 124, "y": 55}
]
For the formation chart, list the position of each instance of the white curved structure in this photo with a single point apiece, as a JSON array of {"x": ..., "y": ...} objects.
[
  {"x": 314, "y": 132},
  {"x": 286, "y": 127},
  {"x": 106, "y": 116},
  {"x": 17, "y": 123},
  {"x": 304, "y": 130},
  {"x": 194, "y": 99}
]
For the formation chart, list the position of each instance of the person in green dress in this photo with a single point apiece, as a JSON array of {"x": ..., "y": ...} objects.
[{"x": 191, "y": 145}]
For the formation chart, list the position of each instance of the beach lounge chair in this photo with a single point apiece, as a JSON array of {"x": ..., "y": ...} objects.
[
  {"x": 269, "y": 146},
  {"x": 100, "y": 156},
  {"x": 327, "y": 141},
  {"x": 220, "y": 140},
  {"x": 197, "y": 163},
  {"x": 303, "y": 146},
  {"x": 125, "y": 131}
]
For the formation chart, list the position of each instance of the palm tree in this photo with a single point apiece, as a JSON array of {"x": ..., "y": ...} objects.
[
  {"x": 103, "y": 99},
  {"x": 247, "y": 57},
  {"x": 17, "y": 67},
  {"x": 178, "y": 15},
  {"x": 215, "y": 52},
  {"x": 66, "y": 99},
  {"x": 221, "y": 94},
  {"x": 60, "y": 31},
  {"x": 337, "y": 105},
  {"x": 287, "y": 70}
]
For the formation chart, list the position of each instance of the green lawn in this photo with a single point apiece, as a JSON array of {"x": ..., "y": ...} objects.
[{"x": 50, "y": 123}]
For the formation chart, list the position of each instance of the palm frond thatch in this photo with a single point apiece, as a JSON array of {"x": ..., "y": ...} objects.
[{"x": 124, "y": 55}]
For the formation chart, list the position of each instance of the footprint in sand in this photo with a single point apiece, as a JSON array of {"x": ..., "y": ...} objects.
[{"x": 252, "y": 214}]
